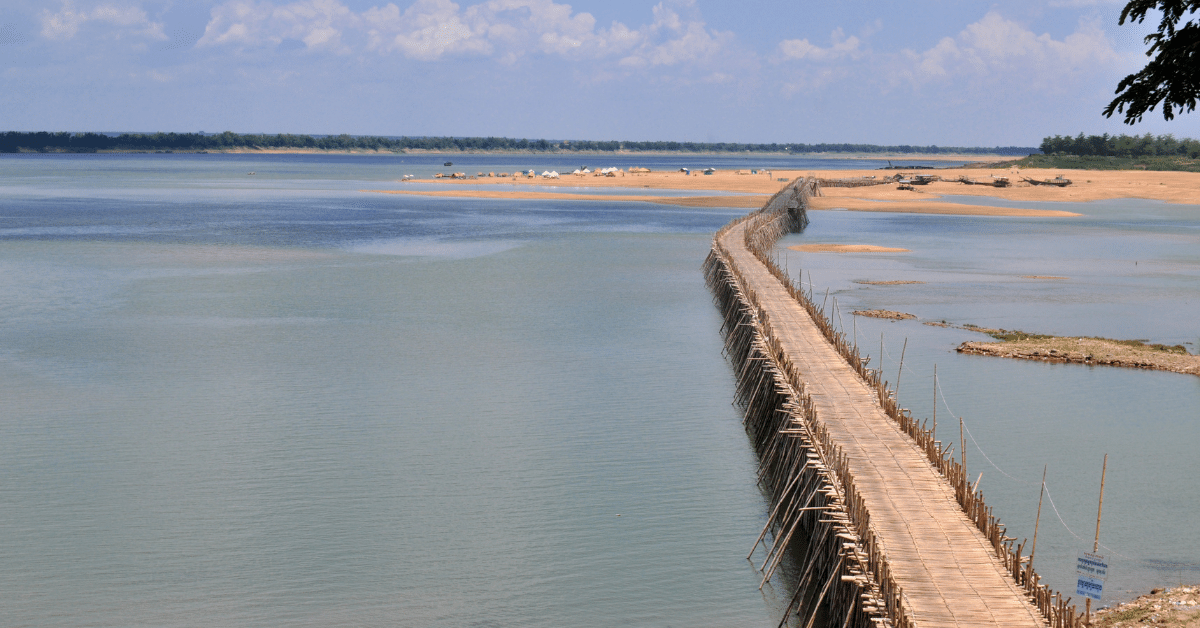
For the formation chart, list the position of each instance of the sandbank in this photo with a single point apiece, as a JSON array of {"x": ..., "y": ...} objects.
[
  {"x": 1088, "y": 185},
  {"x": 888, "y": 314},
  {"x": 844, "y": 248},
  {"x": 1091, "y": 351},
  {"x": 720, "y": 181},
  {"x": 926, "y": 207},
  {"x": 746, "y": 202}
]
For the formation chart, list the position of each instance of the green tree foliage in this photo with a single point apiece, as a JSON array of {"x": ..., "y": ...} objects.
[
  {"x": 91, "y": 142},
  {"x": 1172, "y": 77},
  {"x": 1121, "y": 146}
]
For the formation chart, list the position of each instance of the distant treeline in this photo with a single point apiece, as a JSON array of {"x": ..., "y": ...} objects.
[
  {"x": 12, "y": 141},
  {"x": 1121, "y": 146}
]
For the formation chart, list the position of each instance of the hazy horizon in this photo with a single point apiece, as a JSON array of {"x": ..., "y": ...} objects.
[{"x": 921, "y": 73}]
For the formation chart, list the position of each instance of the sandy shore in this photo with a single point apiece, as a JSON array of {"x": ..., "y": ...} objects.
[
  {"x": 721, "y": 181},
  {"x": 922, "y": 206},
  {"x": 845, "y": 248},
  {"x": 1088, "y": 185},
  {"x": 746, "y": 202}
]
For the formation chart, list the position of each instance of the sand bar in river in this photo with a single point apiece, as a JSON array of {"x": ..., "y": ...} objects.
[
  {"x": 740, "y": 200},
  {"x": 845, "y": 248},
  {"x": 1088, "y": 185}
]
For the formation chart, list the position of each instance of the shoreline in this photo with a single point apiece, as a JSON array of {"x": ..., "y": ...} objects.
[
  {"x": 1176, "y": 607},
  {"x": 734, "y": 201},
  {"x": 1171, "y": 187}
]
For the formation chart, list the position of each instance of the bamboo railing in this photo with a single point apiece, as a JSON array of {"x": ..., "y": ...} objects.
[
  {"x": 797, "y": 454},
  {"x": 841, "y": 567}
]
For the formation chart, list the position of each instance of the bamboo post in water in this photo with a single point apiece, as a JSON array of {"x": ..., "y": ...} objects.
[
  {"x": 880, "y": 355},
  {"x": 841, "y": 322},
  {"x": 1037, "y": 521},
  {"x": 900, "y": 370},
  {"x": 1096, "y": 544},
  {"x": 933, "y": 435},
  {"x": 962, "y": 444}
]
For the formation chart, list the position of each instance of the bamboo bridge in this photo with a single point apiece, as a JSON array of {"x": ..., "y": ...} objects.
[{"x": 882, "y": 526}]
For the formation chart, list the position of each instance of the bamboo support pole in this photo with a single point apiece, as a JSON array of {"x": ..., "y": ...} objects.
[{"x": 1096, "y": 544}]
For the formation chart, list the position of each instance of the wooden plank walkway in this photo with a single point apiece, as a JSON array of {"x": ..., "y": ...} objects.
[{"x": 946, "y": 567}]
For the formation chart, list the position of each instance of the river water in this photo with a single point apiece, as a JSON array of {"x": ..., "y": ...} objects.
[
  {"x": 277, "y": 399},
  {"x": 1125, "y": 269}
]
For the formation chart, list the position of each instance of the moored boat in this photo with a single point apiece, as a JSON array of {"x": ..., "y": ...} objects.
[{"x": 1058, "y": 181}]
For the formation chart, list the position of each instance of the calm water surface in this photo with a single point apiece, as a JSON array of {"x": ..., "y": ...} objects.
[
  {"x": 1126, "y": 269},
  {"x": 280, "y": 400}
]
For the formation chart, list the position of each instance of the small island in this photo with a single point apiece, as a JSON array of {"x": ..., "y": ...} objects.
[{"x": 1083, "y": 350}]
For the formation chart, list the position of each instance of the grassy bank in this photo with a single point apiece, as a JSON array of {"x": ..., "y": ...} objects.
[{"x": 1095, "y": 162}]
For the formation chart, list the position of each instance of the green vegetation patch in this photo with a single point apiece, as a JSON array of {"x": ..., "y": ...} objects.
[
  {"x": 1006, "y": 335},
  {"x": 1104, "y": 162},
  {"x": 1015, "y": 335},
  {"x": 1141, "y": 344},
  {"x": 1115, "y": 152},
  {"x": 1134, "y": 614}
]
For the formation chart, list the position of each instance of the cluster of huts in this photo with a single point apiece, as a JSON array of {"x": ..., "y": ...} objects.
[
  {"x": 531, "y": 173},
  {"x": 582, "y": 171}
]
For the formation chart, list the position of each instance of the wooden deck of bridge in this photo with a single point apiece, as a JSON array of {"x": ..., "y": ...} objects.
[{"x": 947, "y": 569}]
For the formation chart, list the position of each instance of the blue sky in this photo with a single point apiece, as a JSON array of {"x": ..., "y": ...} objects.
[{"x": 920, "y": 72}]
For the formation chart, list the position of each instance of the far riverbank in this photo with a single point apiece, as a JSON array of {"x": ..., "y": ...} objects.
[{"x": 981, "y": 158}]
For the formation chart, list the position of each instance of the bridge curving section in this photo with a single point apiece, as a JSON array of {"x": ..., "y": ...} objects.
[{"x": 947, "y": 571}]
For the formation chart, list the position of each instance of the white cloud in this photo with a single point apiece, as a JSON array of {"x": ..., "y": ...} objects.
[
  {"x": 125, "y": 19},
  {"x": 509, "y": 29},
  {"x": 792, "y": 49},
  {"x": 426, "y": 30},
  {"x": 318, "y": 23},
  {"x": 1075, "y": 4},
  {"x": 673, "y": 39},
  {"x": 506, "y": 30},
  {"x": 996, "y": 46}
]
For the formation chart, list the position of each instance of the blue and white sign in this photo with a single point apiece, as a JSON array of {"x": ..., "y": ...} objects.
[
  {"x": 1092, "y": 566},
  {"x": 1089, "y": 587}
]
